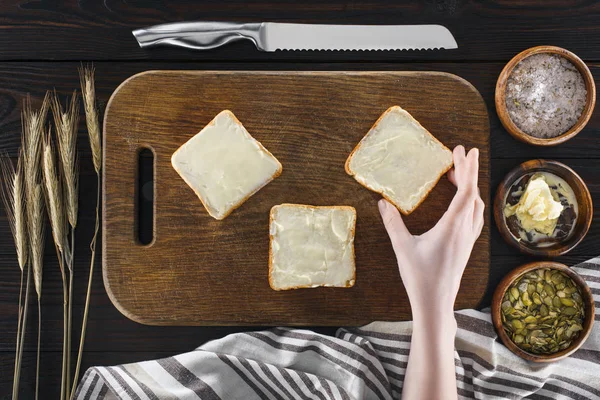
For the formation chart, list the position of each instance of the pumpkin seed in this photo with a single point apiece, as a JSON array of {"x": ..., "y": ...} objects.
[
  {"x": 567, "y": 302},
  {"x": 517, "y": 324},
  {"x": 515, "y": 293},
  {"x": 549, "y": 290},
  {"x": 518, "y": 339},
  {"x": 556, "y": 302},
  {"x": 557, "y": 278},
  {"x": 568, "y": 290}
]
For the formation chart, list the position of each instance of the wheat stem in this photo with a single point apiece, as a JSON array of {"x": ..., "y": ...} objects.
[
  {"x": 20, "y": 319},
  {"x": 70, "y": 316},
  {"x": 22, "y": 338},
  {"x": 89, "y": 290},
  {"x": 37, "y": 368},
  {"x": 65, "y": 304}
]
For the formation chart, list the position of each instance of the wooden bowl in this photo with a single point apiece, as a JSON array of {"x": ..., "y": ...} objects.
[
  {"x": 584, "y": 204},
  {"x": 500, "y": 97},
  {"x": 588, "y": 301}
]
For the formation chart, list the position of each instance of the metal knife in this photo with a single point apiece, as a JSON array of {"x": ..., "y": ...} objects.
[{"x": 272, "y": 36}]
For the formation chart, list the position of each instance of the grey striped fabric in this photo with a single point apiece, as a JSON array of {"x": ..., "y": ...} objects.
[{"x": 359, "y": 363}]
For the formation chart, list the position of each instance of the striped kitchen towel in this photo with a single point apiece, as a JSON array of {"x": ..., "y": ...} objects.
[{"x": 359, "y": 363}]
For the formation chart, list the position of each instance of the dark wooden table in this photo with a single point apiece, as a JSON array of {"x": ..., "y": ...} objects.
[{"x": 42, "y": 42}]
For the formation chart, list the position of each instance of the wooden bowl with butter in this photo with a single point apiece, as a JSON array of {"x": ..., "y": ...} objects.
[
  {"x": 543, "y": 311},
  {"x": 543, "y": 208},
  {"x": 545, "y": 96}
]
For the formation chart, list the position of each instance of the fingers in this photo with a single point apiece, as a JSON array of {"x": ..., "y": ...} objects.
[
  {"x": 394, "y": 225},
  {"x": 473, "y": 162},
  {"x": 458, "y": 155},
  {"x": 466, "y": 169},
  {"x": 478, "y": 215},
  {"x": 464, "y": 176},
  {"x": 452, "y": 176}
]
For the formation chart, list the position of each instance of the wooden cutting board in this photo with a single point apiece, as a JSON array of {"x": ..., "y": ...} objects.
[{"x": 200, "y": 271}]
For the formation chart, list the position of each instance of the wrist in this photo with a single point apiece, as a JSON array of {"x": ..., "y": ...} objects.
[
  {"x": 438, "y": 332},
  {"x": 435, "y": 317}
]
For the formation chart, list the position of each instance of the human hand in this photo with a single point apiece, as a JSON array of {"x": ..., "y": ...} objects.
[{"x": 431, "y": 265}]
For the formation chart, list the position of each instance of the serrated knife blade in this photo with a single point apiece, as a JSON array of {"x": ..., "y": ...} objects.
[{"x": 273, "y": 36}]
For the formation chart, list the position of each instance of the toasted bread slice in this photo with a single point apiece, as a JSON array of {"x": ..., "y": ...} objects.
[
  {"x": 399, "y": 159},
  {"x": 311, "y": 246},
  {"x": 224, "y": 165}
]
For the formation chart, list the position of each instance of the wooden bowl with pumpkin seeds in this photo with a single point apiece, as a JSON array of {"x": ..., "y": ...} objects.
[{"x": 543, "y": 311}]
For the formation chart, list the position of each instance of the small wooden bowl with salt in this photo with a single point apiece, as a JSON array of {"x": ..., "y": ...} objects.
[{"x": 548, "y": 102}]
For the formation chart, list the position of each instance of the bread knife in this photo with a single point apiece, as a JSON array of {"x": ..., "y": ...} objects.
[{"x": 272, "y": 36}]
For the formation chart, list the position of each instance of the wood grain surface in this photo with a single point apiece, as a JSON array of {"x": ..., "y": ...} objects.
[
  {"x": 484, "y": 30},
  {"x": 199, "y": 271}
]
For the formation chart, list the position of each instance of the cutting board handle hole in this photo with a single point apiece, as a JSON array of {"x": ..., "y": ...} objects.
[{"x": 145, "y": 196}]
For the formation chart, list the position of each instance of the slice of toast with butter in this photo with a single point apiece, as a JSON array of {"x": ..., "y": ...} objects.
[
  {"x": 400, "y": 159},
  {"x": 311, "y": 246},
  {"x": 224, "y": 165}
]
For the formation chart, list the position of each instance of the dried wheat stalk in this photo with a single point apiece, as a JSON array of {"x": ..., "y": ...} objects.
[
  {"x": 33, "y": 128},
  {"x": 66, "y": 125},
  {"x": 88, "y": 90},
  {"x": 58, "y": 223},
  {"x": 12, "y": 192}
]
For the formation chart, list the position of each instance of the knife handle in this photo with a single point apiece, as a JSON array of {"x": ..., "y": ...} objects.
[{"x": 198, "y": 35}]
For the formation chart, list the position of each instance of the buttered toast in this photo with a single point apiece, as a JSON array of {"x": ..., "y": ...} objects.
[{"x": 400, "y": 159}]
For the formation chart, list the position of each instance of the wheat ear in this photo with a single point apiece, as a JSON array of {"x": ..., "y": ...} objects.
[
  {"x": 88, "y": 94},
  {"x": 66, "y": 124},
  {"x": 13, "y": 197},
  {"x": 88, "y": 90},
  {"x": 54, "y": 195}
]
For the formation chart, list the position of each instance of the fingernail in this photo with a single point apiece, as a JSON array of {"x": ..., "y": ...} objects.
[{"x": 382, "y": 205}]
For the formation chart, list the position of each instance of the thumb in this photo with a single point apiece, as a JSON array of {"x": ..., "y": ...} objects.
[{"x": 394, "y": 225}]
